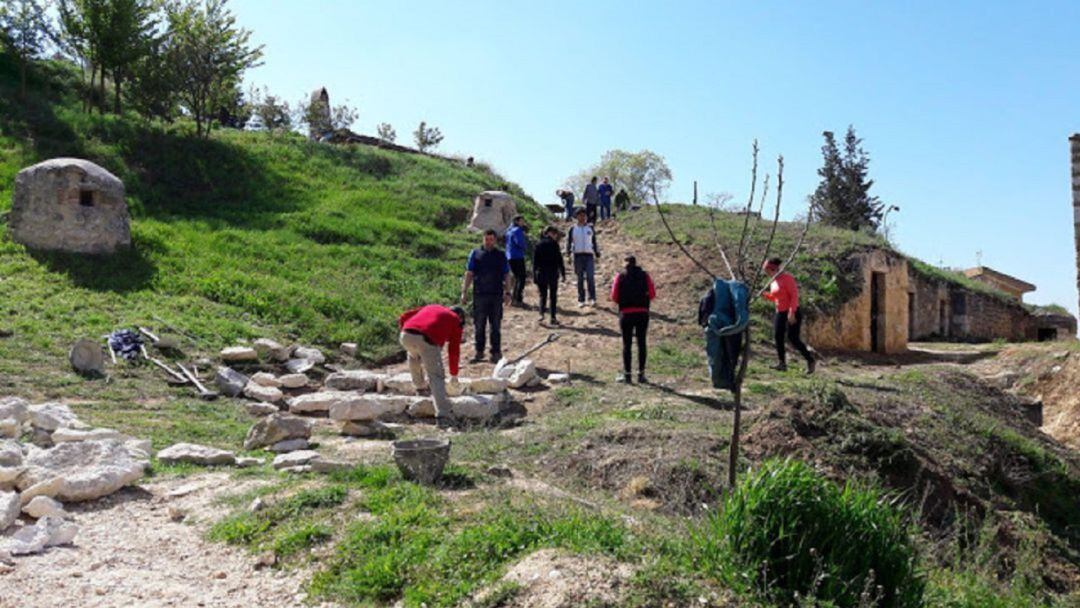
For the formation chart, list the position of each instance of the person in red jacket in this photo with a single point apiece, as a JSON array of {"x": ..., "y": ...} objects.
[
  {"x": 784, "y": 292},
  {"x": 424, "y": 331},
  {"x": 633, "y": 291}
]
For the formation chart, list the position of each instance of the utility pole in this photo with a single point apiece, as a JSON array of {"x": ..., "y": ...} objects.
[
  {"x": 695, "y": 192},
  {"x": 1074, "y": 142}
]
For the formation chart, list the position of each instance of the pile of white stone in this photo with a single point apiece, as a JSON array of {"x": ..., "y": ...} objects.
[
  {"x": 64, "y": 461},
  {"x": 362, "y": 401}
]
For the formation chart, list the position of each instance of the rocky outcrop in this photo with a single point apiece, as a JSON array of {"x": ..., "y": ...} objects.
[{"x": 88, "y": 469}]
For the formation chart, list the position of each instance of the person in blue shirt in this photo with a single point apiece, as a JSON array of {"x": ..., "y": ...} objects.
[
  {"x": 568, "y": 202},
  {"x": 604, "y": 191},
  {"x": 488, "y": 273},
  {"x": 516, "y": 244}
]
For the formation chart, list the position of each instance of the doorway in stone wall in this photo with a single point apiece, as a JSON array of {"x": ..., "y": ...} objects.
[
  {"x": 877, "y": 312},
  {"x": 943, "y": 320}
]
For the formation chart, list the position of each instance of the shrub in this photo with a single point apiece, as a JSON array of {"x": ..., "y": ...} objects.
[{"x": 787, "y": 533}]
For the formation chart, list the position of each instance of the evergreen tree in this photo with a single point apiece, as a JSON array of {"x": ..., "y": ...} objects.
[{"x": 843, "y": 198}]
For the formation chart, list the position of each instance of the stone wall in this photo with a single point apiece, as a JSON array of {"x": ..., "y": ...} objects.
[
  {"x": 946, "y": 311},
  {"x": 850, "y": 327}
]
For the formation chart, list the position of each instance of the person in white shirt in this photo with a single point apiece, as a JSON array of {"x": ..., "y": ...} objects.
[{"x": 581, "y": 245}]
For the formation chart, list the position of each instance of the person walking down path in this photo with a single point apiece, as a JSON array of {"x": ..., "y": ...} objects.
[
  {"x": 604, "y": 191},
  {"x": 787, "y": 323},
  {"x": 591, "y": 198},
  {"x": 568, "y": 202},
  {"x": 548, "y": 269},
  {"x": 488, "y": 273},
  {"x": 622, "y": 201},
  {"x": 424, "y": 331},
  {"x": 516, "y": 244},
  {"x": 633, "y": 291},
  {"x": 581, "y": 244}
]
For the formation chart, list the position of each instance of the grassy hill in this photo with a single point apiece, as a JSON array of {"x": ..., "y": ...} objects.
[{"x": 239, "y": 234}]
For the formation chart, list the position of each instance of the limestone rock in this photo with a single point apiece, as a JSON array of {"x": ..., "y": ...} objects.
[
  {"x": 11, "y": 455},
  {"x": 293, "y": 380},
  {"x": 196, "y": 454},
  {"x": 349, "y": 348},
  {"x": 294, "y": 459},
  {"x": 458, "y": 389},
  {"x": 475, "y": 407},
  {"x": 43, "y": 506},
  {"x": 229, "y": 381},
  {"x": 8, "y": 475},
  {"x": 266, "y": 379},
  {"x": 558, "y": 378},
  {"x": 366, "y": 429},
  {"x": 248, "y": 461},
  {"x": 47, "y": 532},
  {"x": 524, "y": 372},
  {"x": 422, "y": 407},
  {"x": 492, "y": 210},
  {"x": 49, "y": 487},
  {"x": 369, "y": 407},
  {"x": 322, "y": 465},
  {"x": 274, "y": 428},
  {"x": 289, "y": 445},
  {"x": 90, "y": 469},
  {"x": 69, "y": 204},
  {"x": 311, "y": 354},
  {"x": 140, "y": 449},
  {"x": 487, "y": 385},
  {"x": 9, "y": 509},
  {"x": 316, "y": 402},
  {"x": 63, "y": 435},
  {"x": 259, "y": 392},
  {"x": 298, "y": 366},
  {"x": 271, "y": 349},
  {"x": 15, "y": 408},
  {"x": 51, "y": 416},
  {"x": 87, "y": 357},
  {"x": 398, "y": 383},
  {"x": 261, "y": 409},
  {"x": 352, "y": 380},
  {"x": 9, "y": 427},
  {"x": 234, "y": 354}
]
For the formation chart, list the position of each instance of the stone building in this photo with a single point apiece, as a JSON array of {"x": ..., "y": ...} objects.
[
  {"x": 69, "y": 204},
  {"x": 492, "y": 209},
  {"x": 1000, "y": 281},
  {"x": 876, "y": 319}
]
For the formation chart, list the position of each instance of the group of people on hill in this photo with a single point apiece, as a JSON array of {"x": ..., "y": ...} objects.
[
  {"x": 597, "y": 199},
  {"x": 497, "y": 278}
]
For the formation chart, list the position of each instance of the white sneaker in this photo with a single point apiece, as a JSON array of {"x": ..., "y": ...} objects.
[
  {"x": 592, "y": 303},
  {"x": 581, "y": 304}
]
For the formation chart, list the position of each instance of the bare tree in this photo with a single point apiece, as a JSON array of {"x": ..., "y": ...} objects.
[{"x": 751, "y": 276}]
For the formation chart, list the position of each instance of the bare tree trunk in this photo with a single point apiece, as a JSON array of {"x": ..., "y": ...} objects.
[
  {"x": 101, "y": 93},
  {"x": 733, "y": 449},
  {"x": 90, "y": 91},
  {"x": 116, "y": 93}
]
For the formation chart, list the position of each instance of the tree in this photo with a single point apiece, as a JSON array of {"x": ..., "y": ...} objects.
[
  {"x": 24, "y": 31},
  {"x": 208, "y": 54},
  {"x": 426, "y": 137},
  {"x": 843, "y": 197},
  {"x": 127, "y": 38},
  {"x": 321, "y": 119},
  {"x": 386, "y": 132},
  {"x": 271, "y": 113},
  {"x": 640, "y": 173}
]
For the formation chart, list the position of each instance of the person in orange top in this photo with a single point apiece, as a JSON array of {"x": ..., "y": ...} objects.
[
  {"x": 784, "y": 291},
  {"x": 424, "y": 331}
]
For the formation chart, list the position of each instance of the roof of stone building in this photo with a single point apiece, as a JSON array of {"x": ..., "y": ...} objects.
[{"x": 1001, "y": 277}]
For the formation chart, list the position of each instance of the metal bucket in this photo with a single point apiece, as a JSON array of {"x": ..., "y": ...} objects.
[{"x": 421, "y": 460}]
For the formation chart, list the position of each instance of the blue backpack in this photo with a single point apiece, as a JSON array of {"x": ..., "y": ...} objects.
[{"x": 729, "y": 302}]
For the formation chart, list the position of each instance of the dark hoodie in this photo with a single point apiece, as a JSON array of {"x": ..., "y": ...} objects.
[{"x": 547, "y": 259}]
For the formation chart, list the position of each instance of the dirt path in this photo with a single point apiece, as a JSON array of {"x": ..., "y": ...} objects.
[{"x": 130, "y": 552}]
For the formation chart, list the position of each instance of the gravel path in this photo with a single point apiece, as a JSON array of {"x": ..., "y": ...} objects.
[{"x": 130, "y": 552}]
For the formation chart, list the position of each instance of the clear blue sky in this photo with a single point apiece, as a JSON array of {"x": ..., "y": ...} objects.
[{"x": 965, "y": 107}]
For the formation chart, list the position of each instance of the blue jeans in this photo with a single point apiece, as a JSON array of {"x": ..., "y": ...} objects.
[
  {"x": 488, "y": 310},
  {"x": 569, "y": 210},
  {"x": 605, "y": 210},
  {"x": 585, "y": 269}
]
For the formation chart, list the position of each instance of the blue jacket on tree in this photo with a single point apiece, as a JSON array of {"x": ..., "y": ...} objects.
[{"x": 723, "y": 331}]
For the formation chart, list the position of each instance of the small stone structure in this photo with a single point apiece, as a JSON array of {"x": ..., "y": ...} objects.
[
  {"x": 319, "y": 113},
  {"x": 1000, "y": 281},
  {"x": 492, "y": 209},
  {"x": 69, "y": 204},
  {"x": 1074, "y": 144}
]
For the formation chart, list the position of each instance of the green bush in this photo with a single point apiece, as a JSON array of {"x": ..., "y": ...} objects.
[{"x": 787, "y": 533}]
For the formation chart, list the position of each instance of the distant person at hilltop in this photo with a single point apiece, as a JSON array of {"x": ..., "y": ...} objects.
[
  {"x": 591, "y": 198},
  {"x": 622, "y": 201},
  {"x": 568, "y": 202},
  {"x": 784, "y": 291},
  {"x": 604, "y": 191}
]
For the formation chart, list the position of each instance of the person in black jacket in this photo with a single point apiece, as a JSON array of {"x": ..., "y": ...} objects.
[
  {"x": 548, "y": 269},
  {"x": 633, "y": 291}
]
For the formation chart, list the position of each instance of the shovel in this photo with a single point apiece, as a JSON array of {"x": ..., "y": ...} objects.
[
  {"x": 504, "y": 362},
  {"x": 203, "y": 393}
]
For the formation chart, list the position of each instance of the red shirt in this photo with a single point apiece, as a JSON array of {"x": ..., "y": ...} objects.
[
  {"x": 438, "y": 324},
  {"x": 784, "y": 291},
  {"x": 632, "y": 309}
]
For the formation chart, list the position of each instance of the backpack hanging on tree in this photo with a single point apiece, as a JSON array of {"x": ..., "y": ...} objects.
[{"x": 729, "y": 318}]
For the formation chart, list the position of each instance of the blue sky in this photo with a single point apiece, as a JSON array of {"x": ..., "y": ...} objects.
[{"x": 965, "y": 107}]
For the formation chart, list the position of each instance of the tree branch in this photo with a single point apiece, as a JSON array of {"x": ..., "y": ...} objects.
[
  {"x": 746, "y": 219},
  {"x": 775, "y": 221},
  {"x": 663, "y": 218}
]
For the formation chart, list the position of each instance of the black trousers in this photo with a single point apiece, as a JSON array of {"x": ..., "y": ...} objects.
[
  {"x": 517, "y": 267},
  {"x": 548, "y": 284},
  {"x": 590, "y": 213},
  {"x": 634, "y": 324},
  {"x": 488, "y": 310},
  {"x": 790, "y": 331}
]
